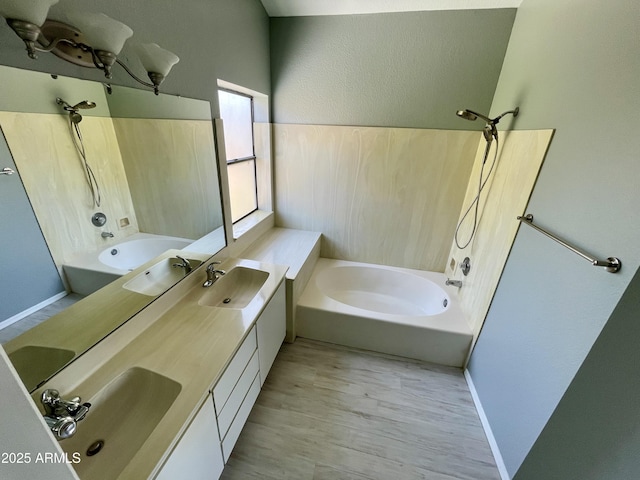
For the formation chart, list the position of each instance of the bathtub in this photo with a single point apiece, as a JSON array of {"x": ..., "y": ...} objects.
[
  {"x": 410, "y": 313},
  {"x": 88, "y": 272}
]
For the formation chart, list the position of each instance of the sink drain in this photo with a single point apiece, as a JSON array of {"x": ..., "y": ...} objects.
[
  {"x": 95, "y": 448},
  {"x": 226, "y": 300}
]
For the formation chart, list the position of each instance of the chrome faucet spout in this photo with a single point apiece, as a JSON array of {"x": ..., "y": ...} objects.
[
  {"x": 453, "y": 283},
  {"x": 184, "y": 263},
  {"x": 106, "y": 235},
  {"x": 213, "y": 274}
]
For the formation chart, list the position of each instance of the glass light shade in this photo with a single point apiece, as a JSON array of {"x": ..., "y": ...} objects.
[
  {"x": 156, "y": 59},
  {"x": 32, "y": 11},
  {"x": 100, "y": 31}
]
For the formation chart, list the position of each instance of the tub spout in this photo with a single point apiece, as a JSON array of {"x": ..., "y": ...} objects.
[
  {"x": 453, "y": 283},
  {"x": 106, "y": 235}
]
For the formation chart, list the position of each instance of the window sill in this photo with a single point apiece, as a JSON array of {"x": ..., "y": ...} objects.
[{"x": 251, "y": 221}]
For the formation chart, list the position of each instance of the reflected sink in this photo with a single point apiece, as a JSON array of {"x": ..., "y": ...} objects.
[
  {"x": 35, "y": 364},
  {"x": 159, "y": 278},
  {"x": 235, "y": 289},
  {"x": 122, "y": 416}
]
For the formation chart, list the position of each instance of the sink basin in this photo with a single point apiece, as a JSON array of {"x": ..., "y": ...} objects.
[
  {"x": 35, "y": 363},
  {"x": 157, "y": 279},
  {"x": 122, "y": 416},
  {"x": 235, "y": 289}
]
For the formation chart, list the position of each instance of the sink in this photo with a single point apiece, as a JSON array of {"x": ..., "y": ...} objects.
[
  {"x": 35, "y": 363},
  {"x": 157, "y": 279},
  {"x": 235, "y": 289},
  {"x": 122, "y": 416}
]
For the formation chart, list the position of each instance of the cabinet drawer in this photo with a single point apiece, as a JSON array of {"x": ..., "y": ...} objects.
[
  {"x": 230, "y": 377},
  {"x": 243, "y": 413},
  {"x": 239, "y": 392}
]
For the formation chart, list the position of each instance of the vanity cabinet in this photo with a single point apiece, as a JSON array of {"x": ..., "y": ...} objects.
[
  {"x": 208, "y": 442},
  {"x": 197, "y": 455},
  {"x": 272, "y": 328}
]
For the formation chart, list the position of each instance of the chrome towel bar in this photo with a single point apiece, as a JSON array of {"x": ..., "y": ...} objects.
[{"x": 611, "y": 264}]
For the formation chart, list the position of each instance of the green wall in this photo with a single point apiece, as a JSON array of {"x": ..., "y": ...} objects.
[
  {"x": 410, "y": 69},
  {"x": 572, "y": 65}
]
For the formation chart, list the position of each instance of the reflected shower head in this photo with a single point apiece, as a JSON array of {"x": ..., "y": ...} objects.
[
  {"x": 74, "y": 116},
  {"x": 84, "y": 105}
]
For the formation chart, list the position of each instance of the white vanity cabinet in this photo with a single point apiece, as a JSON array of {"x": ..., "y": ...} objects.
[
  {"x": 207, "y": 444},
  {"x": 197, "y": 455},
  {"x": 272, "y": 326}
]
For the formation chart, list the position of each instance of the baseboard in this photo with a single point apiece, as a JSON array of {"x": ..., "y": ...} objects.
[
  {"x": 29, "y": 311},
  {"x": 502, "y": 469}
]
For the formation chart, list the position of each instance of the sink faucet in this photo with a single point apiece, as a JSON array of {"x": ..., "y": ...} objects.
[
  {"x": 213, "y": 274},
  {"x": 184, "y": 263},
  {"x": 454, "y": 283},
  {"x": 62, "y": 415}
]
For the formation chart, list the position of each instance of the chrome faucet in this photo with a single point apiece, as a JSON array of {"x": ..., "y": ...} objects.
[
  {"x": 184, "y": 263},
  {"x": 106, "y": 235},
  {"x": 453, "y": 283},
  {"x": 213, "y": 274},
  {"x": 62, "y": 415}
]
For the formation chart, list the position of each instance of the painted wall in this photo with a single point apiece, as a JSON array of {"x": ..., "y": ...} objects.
[
  {"x": 198, "y": 31},
  {"x": 594, "y": 432},
  {"x": 573, "y": 66},
  {"x": 410, "y": 69}
]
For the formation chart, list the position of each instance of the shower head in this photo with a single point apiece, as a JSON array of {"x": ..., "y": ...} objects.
[
  {"x": 84, "y": 105},
  {"x": 75, "y": 117},
  {"x": 471, "y": 115}
]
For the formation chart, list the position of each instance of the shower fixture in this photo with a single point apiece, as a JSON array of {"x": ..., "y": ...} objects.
[
  {"x": 490, "y": 132},
  {"x": 76, "y": 135},
  {"x": 74, "y": 115}
]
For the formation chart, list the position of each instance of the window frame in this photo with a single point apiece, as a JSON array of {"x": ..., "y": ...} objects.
[{"x": 253, "y": 157}]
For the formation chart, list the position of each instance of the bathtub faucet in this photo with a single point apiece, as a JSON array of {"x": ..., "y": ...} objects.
[
  {"x": 213, "y": 274},
  {"x": 106, "y": 235},
  {"x": 453, "y": 283}
]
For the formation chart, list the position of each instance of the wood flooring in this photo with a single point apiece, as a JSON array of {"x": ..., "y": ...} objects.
[{"x": 335, "y": 413}]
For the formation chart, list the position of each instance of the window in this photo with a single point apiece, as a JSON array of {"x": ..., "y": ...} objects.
[{"x": 236, "y": 111}]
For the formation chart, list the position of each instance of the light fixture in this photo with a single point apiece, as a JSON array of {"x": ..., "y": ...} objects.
[{"x": 95, "y": 40}]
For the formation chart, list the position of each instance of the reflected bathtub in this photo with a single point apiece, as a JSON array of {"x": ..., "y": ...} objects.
[
  {"x": 410, "y": 313},
  {"x": 91, "y": 271}
]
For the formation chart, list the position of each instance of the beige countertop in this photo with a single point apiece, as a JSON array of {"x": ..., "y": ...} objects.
[{"x": 174, "y": 337}]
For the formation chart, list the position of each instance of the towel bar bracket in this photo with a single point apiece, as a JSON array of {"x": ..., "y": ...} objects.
[{"x": 611, "y": 264}]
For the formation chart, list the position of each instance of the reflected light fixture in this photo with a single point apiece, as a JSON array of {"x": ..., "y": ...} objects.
[{"x": 95, "y": 40}]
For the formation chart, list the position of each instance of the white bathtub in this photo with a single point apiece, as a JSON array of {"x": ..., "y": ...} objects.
[
  {"x": 91, "y": 271},
  {"x": 392, "y": 310}
]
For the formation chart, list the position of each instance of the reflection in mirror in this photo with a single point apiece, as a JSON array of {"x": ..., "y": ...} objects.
[{"x": 153, "y": 161}]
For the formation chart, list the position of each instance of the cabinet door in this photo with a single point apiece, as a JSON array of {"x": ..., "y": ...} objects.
[
  {"x": 198, "y": 455},
  {"x": 272, "y": 326}
]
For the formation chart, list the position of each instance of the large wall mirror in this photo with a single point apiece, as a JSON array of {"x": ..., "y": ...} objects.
[{"x": 152, "y": 162}]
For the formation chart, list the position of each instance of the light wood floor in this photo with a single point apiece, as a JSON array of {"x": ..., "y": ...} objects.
[{"x": 335, "y": 413}]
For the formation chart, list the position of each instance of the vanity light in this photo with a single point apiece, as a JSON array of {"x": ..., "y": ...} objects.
[{"x": 95, "y": 43}]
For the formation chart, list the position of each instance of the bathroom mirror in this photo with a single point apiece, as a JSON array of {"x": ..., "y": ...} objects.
[{"x": 154, "y": 161}]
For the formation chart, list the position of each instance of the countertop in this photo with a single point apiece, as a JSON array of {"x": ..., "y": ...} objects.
[{"x": 179, "y": 339}]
